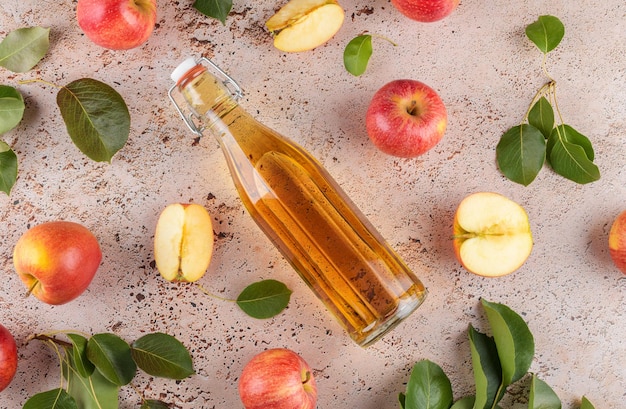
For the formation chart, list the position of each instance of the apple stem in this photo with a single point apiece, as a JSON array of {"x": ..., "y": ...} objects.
[
  {"x": 31, "y": 288},
  {"x": 307, "y": 377},
  {"x": 413, "y": 109}
]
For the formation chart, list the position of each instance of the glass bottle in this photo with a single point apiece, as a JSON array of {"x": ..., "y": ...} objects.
[{"x": 298, "y": 205}]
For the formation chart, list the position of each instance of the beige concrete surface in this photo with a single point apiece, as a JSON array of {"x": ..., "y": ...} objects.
[{"x": 485, "y": 70}]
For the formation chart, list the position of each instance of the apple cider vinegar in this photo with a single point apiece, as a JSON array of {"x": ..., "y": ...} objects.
[{"x": 303, "y": 211}]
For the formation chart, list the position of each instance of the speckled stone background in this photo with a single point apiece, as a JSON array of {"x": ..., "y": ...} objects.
[{"x": 486, "y": 71}]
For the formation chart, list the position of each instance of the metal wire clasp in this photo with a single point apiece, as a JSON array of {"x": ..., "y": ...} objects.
[{"x": 229, "y": 83}]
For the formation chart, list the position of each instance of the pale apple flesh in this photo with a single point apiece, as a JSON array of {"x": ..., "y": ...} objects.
[
  {"x": 302, "y": 25},
  {"x": 617, "y": 242},
  {"x": 183, "y": 242},
  {"x": 492, "y": 235}
]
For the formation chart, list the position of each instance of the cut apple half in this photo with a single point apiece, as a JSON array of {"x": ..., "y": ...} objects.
[
  {"x": 492, "y": 234},
  {"x": 183, "y": 242},
  {"x": 301, "y": 25}
]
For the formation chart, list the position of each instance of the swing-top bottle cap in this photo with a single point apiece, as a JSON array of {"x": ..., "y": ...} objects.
[{"x": 183, "y": 68}]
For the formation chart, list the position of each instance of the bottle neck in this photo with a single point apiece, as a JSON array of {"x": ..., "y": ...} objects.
[
  {"x": 205, "y": 94},
  {"x": 190, "y": 75}
]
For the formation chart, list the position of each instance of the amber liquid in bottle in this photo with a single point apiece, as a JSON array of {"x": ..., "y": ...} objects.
[{"x": 303, "y": 211}]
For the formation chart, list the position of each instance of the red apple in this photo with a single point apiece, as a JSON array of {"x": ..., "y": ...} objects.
[
  {"x": 425, "y": 11},
  {"x": 8, "y": 357},
  {"x": 277, "y": 379},
  {"x": 117, "y": 24},
  {"x": 406, "y": 118},
  {"x": 617, "y": 242},
  {"x": 57, "y": 260}
]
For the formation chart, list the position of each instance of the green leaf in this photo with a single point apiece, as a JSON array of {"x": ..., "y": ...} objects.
[
  {"x": 11, "y": 113},
  {"x": 547, "y": 32},
  {"x": 93, "y": 392},
  {"x": 514, "y": 341},
  {"x": 487, "y": 369},
  {"x": 217, "y": 9},
  {"x": 23, "y": 48},
  {"x": 96, "y": 117},
  {"x": 586, "y": 404},
  {"x": 464, "y": 403},
  {"x": 428, "y": 387},
  {"x": 541, "y": 116},
  {"x": 8, "y": 168},
  {"x": 54, "y": 399},
  {"x": 154, "y": 404},
  {"x": 264, "y": 299},
  {"x": 78, "y": 354},
  {"x": 570, "y": 135},
  {"x": 521, "y": 153},
  {"x": 542, "y": 396},
  {"x": 570, "y": 155},
  {"x": 112, "y": 356},
  {"x": 357, "y": 54},
  {"x": 162, "y": 355},
  {"x": 11, "y": 108},
  {"x": 402, "y": 400}
]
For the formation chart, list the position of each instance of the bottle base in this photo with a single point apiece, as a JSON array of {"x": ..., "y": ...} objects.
[{"x": 374, "y": 332}]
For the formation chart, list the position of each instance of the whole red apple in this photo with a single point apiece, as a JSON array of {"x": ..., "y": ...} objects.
[
  {"x": 425, "y": 11},
  {"x": 57, "y": 260},
  {"x": 117, "y": 24},
  {"x": 8, "y": 357},
  {"x": 617, "y": 242},
  {"x": 406, "y": 118},
  {"x": 277, "y": 379}
]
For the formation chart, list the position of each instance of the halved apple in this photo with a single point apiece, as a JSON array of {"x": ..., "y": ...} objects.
[
  {"x": 183, "y": 242},
  {"x": 492, "y": 234},
  {"x": 302, "y": 25}
]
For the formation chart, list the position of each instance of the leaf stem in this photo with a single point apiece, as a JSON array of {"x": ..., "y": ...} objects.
[
  {"x": 51, "y": 334},
  {"x": 545, "y": 89},
  {"x": 556, "y": 104},
  {"x": 54, "y": 341},
  {"x": 137, "y": 391},
  {"x": 54, "y": 345},
  {"x": 39, "y": 80},
  {"x": 217, "y": 297},
  {"x": 384, "y": 38},
  {"x": 544, "y": 67}
]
